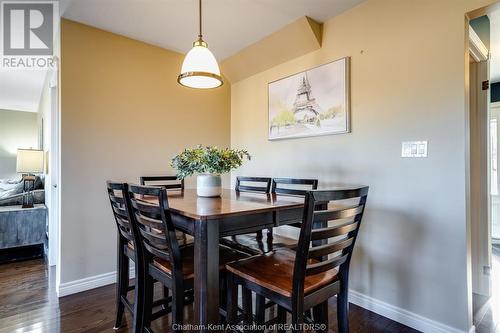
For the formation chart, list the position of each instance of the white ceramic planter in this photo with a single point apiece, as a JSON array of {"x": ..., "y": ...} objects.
[{"x": 208, "y": 185}]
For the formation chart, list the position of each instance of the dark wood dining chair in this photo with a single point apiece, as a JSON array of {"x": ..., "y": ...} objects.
[
  {"x": 255, "y": 244},
  {"x": 168, "y": 182},
  {"x": 163, "y": 259},
  {"x": 292, "y": 186},
  {"x": 280, "y": 186},
  {"x": 128, "y": 249},
  {"x": 117, "y": 193},
  {"x": 305, "y": 279},
  {"x": 248, "y": 184},
  {"x": 257, "y": 184}
]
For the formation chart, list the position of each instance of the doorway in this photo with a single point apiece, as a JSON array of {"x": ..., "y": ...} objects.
[
  {"x": 481, "y": 128},
  {"x": 484, "y": 122},
  {"x": 32, "y": 92}
]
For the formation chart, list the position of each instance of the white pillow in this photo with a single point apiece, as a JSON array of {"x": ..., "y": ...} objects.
[
  {"x": 7, "y": 186},
  {"x": 16, "y": 180}
]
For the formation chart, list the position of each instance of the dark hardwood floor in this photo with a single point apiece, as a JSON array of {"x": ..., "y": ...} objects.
[{"x": 28, "y": 303}]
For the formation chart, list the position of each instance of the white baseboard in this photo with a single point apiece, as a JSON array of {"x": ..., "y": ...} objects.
[
  {"x": 89, "y": 283},
  {"x": 402, "y": 316}
]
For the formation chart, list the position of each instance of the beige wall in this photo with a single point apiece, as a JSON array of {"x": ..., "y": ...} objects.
[
  {"x": 17, "y": 130},
  {"x": 123, "y": 115},
  {"x": 407, "y": 81}
]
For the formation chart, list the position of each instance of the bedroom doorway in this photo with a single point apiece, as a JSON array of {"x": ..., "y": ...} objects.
[
  {"x": 29, "y": 165},
  {"x": 30, "y": 141}
]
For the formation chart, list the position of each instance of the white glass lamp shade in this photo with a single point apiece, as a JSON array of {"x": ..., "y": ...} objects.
[
  {"x": 29, "y": 161},
  {"x": 200, "y": 69}
]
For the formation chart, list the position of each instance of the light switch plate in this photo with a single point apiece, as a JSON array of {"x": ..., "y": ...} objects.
[{"x": 414, "y": 149}]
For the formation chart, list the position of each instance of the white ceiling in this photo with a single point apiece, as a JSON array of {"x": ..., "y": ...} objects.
[
  {"x": 20, "y": 90},
  {"x": 495, "y": 46},
  {"x": 229, "y": 25}
]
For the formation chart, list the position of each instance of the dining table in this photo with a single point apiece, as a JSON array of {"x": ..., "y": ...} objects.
[{"x": 209, "y": 219}]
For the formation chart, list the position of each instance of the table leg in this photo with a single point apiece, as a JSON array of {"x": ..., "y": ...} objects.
[{"x": 206, "y": 273}]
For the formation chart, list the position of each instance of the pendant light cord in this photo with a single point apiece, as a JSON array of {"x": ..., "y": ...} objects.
[{"x": 200, "y": 35}]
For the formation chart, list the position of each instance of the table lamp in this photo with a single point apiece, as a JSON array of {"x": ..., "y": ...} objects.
[{"x": 29, "y": 163}]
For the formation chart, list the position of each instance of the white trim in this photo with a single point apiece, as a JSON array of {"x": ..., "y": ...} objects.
[
  {"x": 402, "y": 316},
  {"x": 88, "y": 283},
  {"x": 472, "y": 329},
  {"x": 52, "y": 190},
  {"x": 477, "y": 49}
]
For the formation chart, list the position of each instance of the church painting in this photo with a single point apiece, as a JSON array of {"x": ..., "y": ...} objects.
[{"x": 311, "y": 103}]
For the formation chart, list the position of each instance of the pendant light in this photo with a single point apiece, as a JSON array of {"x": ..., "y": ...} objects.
[{"x": 200, "y": 69}]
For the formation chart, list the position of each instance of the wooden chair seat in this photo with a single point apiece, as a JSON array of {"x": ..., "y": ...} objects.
[
  {"x": 226, "y": 256},
  {"x": 254, "y": 244},
  {"x": 274, "y": 271}
]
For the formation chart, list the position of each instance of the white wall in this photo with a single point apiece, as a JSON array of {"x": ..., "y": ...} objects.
[
  {"x": 44, "y": 109},
  {"x": 17, "y": 130},
  {"x": 407, "y": 80}
]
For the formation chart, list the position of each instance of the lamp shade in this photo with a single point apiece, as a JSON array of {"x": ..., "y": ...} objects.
[
  {"x": 200, "y": 68},
  {"x": 29, "y": 161}
]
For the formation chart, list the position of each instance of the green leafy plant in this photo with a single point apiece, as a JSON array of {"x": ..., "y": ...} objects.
[{"x": 207, "y": 160}]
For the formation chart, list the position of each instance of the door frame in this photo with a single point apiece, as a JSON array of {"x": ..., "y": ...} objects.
[
  {"x": 53, "y": 168},
  {"x": 479, "y": 160}
]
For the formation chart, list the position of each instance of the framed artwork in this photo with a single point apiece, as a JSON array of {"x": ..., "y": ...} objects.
[{"x": 311, "y": 103}]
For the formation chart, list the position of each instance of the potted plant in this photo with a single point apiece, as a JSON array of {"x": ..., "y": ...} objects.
[{"x": 209, "y": 163}]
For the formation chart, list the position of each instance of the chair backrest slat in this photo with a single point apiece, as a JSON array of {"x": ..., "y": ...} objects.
[
  {"x": 326, "y": 249},
  {"x": 329, "y": 232},
  {"x": 122, "y": 222},
  {"x": 167, "y": 182},
  {"x": 157, "y": 252},
  {"x": 124, "y": 227},
  {"x": 304, "y": 184},
  {"x": 125, "y": 233},
  {"x": 244, "y": 188},
  {"x": 119, "y": 210},
  {"x": 337, "y": 214},
  {"x": 259, "y": 184},
  {"x": 116, "y": 200},
  {"x": 150, "y": 222},
  {"x": 323, "y": 266},
  {"x": 337, "y": 195},
  {"x": 157, "y": 233},
  {"x": 319, "y": 225},
  {"x": 147, "y": 208},
  {"x": 157, "y": 241},
  {"x": 289, "y": 191}
]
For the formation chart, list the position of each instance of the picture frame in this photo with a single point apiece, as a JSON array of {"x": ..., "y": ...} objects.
[{"x": 314, "y": 102}]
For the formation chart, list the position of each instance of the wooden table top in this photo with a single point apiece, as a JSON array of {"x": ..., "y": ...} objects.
[{"x": 231, "y": 203}]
